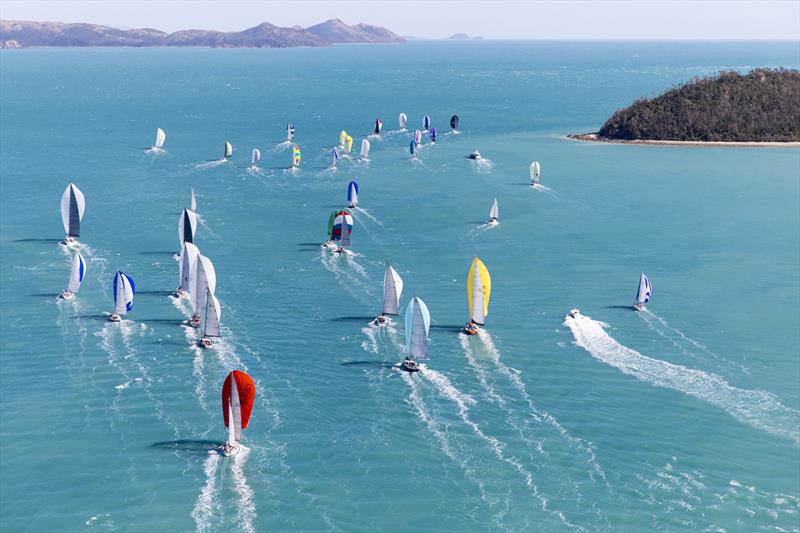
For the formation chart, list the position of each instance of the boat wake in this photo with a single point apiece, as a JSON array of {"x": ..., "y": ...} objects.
[
  {"x": 544, "y": 189},
  {"x": 210, "y": 164},
  {"x": 207, "y": 503},
  {"x": 482, "y": 165},
  {"x": 757, "y": 408},
  {"x": 245, "y": 506},
  {"x": 350, "y": 275},
  {"x": 367, "y": 214},
  {"x": 282, "y": 146}
]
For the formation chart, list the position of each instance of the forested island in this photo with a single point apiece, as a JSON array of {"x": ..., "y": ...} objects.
[{"x": 761, "y": 106}]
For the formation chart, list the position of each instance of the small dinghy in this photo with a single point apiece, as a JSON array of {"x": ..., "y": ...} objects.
[
  {"x": 365, "y": 146},
  {"x": 475, "y": 155},
  {"x": 211, "y": 315},
  {"x": 417, "y": 137},
  {"x": 494, "y": 213},
  {"x": 204, "y": 281},
  {"x": 454, "y": 123},
  {"x": 479, "y": 288},
  {"x": 124, "y": 291},
  {"x": 160, "y": 138},
  {"x": 426, "y": 123},
  {"x": 352, "y": 194},
  {"x": 73, "y": 206},
  {"x": 412, "y": 148},
  {"x": 403, "y": 121},
  {"x": 289, "y": 131},
  {"x": 378, "y": 126},
  {"x": 432, "y": 135},
  {"x": 255, "y": 158},
  {"x": 392, "y": 290},
  {"x": 342, "y": 228},
  {"x": 77, "y": 272},
  {"x": 188, "y": 268},
  {"x": 227, "y": 151},
  {"x": 536, "y": 169},
  {"x": 295, "y": 157},
  {"x": 417, "y": 324},
  {"x": 238, "y": 394},
  {"x": 643, "y": 294}
]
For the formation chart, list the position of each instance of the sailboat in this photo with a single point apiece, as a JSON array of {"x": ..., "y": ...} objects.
[
  {"x": 348, "y": 145},
  {"x": 432, "y": 135},
  {"x": 418, "y": 323},
  {"x": 73, "y": 206},
  {"x": 76, "y": 274},
  {"x": 417, "y": 137},
  {"x": 352, "y": 194},
  {"x": 412, "y": 147},
  {"x": 193, "y": 203},
  {"x": 289, "y": 131},
  {"x": 454, "y": 123},
  {"x": 187, "y": 226},
  {"x": 188, "y": 268},
  {"x": 378, "y": 126},
  {"x": 124, "y": 291},
  {"x": 643, "y": 294},
  {"x": 255, "y": 158},
  {"x": 342, "y": 228},
  {"x": 330, "y": 242},
  {"x": 494, "y": 213},
  {"x": 228, "y": 151},
  {"x": 238, "y": 393},
  {"x": 403, "y": 120},
  {"x": 160, "y": 138},
  {"x": 335, "y": 157},
  {"x": 479, "y": 288},
  {"x": 205, "y": 280},
  {"x": 365, "y": 149},
  {"x": 536, "y": 169},
  {"x": 211, "y": 315},
  {"x": 392, "y": 290},
  {"x": 295, "y": 157},
  {"x": 426, "y": 122},
  {"x": 342, "y": 138}
]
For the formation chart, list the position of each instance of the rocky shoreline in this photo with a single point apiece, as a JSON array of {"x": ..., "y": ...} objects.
[{"x": 594, "y": 137}]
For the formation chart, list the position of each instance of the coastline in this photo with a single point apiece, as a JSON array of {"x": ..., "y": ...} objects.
[{"x": 592, "y": 137}]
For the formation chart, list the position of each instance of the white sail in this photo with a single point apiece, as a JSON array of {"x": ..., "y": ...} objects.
[
  {"x": 392, "y": 290},
  {"x": 124, "y": 292},
  {"x": 193, "y": 204},
  {"x": 160, "y": 138},
  {"x": 256, "y": 157},
  {"x": 187, "y": 225},
  {"x": 236, "y": 410},
  {"x": 418, "y": 323},
  {"x": 188, "y": 266},
  {"x": 205, "y": 280},
  {"x": 211, "y": 316},
  {"x": 477, "y": 296},
  {"x": 403, "y": 119},
  {"x": 645, "y": 290},
  {"x": 73, "y": 205},
  {"x": 77, "y": 272},
  {"x": 231, "y": 423},
  {"x": 494, "y": 212},
  {"x": 536, "y": 169},
  {"x": 364, "y": 149}
]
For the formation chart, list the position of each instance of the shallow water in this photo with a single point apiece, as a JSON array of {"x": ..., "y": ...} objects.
[{"x": 684, "y": 417}]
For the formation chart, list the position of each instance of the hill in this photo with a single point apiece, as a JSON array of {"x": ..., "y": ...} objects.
[
  {"x": 760, "y": 106},
  {"x": 265, "y": 35}
]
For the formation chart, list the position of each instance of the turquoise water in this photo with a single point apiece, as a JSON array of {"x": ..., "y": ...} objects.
[{"x": 686, "y": 417}]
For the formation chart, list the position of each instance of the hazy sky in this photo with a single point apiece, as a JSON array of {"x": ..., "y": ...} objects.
[{"x": 544, "y": 19}]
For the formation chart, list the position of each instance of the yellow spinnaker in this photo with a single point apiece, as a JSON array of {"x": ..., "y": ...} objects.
[
  {"x": 349, "y": 143},
  {"x": 342, "y": 137},
  {"x": 482, "y": 286}
]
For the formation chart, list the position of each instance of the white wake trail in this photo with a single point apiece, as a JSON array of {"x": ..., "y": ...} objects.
[
  {"x": 245, "y": 506},
  {"x": 757, "y": 408},
  {"x": 207, "y": 502}
]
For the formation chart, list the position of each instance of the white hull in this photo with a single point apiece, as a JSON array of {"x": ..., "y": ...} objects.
[{"x": 114, "y": 318}]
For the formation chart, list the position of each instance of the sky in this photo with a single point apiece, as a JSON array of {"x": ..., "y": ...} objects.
[{"x": 502, "y": 19}]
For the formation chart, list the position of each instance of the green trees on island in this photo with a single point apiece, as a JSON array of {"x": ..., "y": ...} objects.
[{"x": 762, "y": 105}]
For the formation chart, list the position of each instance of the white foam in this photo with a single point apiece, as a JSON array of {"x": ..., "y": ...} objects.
[
  {"x": 206, "y": 503},
  {"x": 757, "y": 408},
  {"x": 368, "y": 215},
  {"x": 371, "y": 344},
  {"x": 245, "y": 506},
  {"x": 479, "y": 370}
]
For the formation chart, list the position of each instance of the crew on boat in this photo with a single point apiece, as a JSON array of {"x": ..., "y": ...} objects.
[
  {"x": 410, "y": 365},
  {"x": 574, "y": 313},
  {"x": 194, "y": 321},
  {"x": 205, "y": 342},
  {"x": 381, "y": 320},
  {"x": 474, "y": 155},
  {"x": 114, "y": 317},
  {"x": 471, "y": 328},
  {"x": 66, "y": 295},
  {"x": 229, "y": 449}
]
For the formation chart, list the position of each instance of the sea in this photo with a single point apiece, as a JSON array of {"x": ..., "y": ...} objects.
[{"x": 682, "y": 417}]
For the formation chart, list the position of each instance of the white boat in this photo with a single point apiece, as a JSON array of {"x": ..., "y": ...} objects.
[
  {"x": 160, "y": 138},
  {"x": 188, "y": 268},
  {"x": 73, "y": 206},
  {"x": 365, "y": 149},
  {"x": 255, "y": 158},
  {"x": 187, "y": 225},
  {"x": 76, "y": 274},
  {"x": 494, "y": 213},
  {"x": 238, "y": 394},
  {"x": 574, "y": 313},
  {"x": 193, "y": 203},
  {"x": 211, "y": 317},
  {"x": 392, "y": 290},
  {"x": 403, "y": 121},
  {"x": 644, "y": 293},
  {"x": 352, "y": 194},
  {"x": 536, "y": 169},
  {"x": 417, "y": 324},
  {"x": 205, "y": 280},
  {"x": 228, "y": 151},
  {"x": 124, "y": 291}
]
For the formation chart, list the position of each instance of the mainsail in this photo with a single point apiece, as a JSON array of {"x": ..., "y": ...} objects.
[
  {"x": 188, "y": 266},
  {"x": 645, "y": 290},
  {"x": 76, "y": 273},
  {"x": 72, "y": 207},
  {"x": 392, "y": 290},
  {"x": 211, "y": 315},
  {"x": 295, "y": 156},
  {"x": 378, "y": 126},
  {"x": 417, "y": 137},
  {"x": 418, "y": 323},
  {"x": 187, "y": 225},
  {"x": 193, "y": 203},
  {"x": 479, "y": 288},
  {"x": 365, "y": 148},
  {"x": 124, "y": 291},
  {"x": 205, "y": 280},
  {"x": 348, "y": 144},
  {"x": 432, "y": 135},
  {"x": 334, "y": 156},
  {"x": 228, "y": 150},
  {"x": 342, "y": 138},
  {"x": 160, "y": 138},
  {"x": 256, "y": 157},
  {"x": 289, "y": 131},
  {"x": 494, "y": 211},
  {"x": 412, "y": 147},
  {"x": 352, "y": 193},
  {"x": 426, "y": 122},
  {"x": 535, "y": 171},
  {"x": 403, "y": 120},
  {"x": 238, "y": 394},
  {"x": 454, "y": 122},
  {"x": 342, "y": 228}
]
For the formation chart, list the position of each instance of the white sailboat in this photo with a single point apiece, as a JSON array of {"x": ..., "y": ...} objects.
[
  {"x": 536, "y": 169},
  {"x": 479, "y": 290},
  {"x": 228, "y": 151},
  {"x": 392, "y": 290},
  {"x": 255, "y": 158},
  {"x": 352, "y": 194},
  {"x": 124, "y": 291},
  {"x": 205, "y": 280},
  {"x": 365, "y": 149},
  {"x": 494, "y": 213},
  {"x": 76, "y": 274},
  {"x": 160, "y": 138},
  {"x": 193, "y": 203},
  {"x": 418, "y": 323},
  {"x": 188, "y": 268},
  {"x": 403, "y": 120},
  {"x": 643, "y": 294},
  {"x": 211, "y": 317},
  {"x": 187, "y": 225},
  {"x": 73, "y": 206}
]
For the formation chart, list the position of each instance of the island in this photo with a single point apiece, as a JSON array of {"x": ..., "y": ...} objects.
[
  {"x": 24, "y": 34},
  {"x": 756, "y": 108}
]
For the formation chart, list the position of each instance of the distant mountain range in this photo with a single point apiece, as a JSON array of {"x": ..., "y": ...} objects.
[{"x": 21, "y": 34}]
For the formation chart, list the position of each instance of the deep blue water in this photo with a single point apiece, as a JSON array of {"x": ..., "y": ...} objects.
[{"x": 685, "y": 417}]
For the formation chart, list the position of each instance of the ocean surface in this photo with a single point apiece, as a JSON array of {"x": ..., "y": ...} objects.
[{"x": 685, "y": 417}]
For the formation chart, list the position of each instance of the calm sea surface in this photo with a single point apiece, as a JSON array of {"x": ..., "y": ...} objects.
[{"x": 682, "y": 418}]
